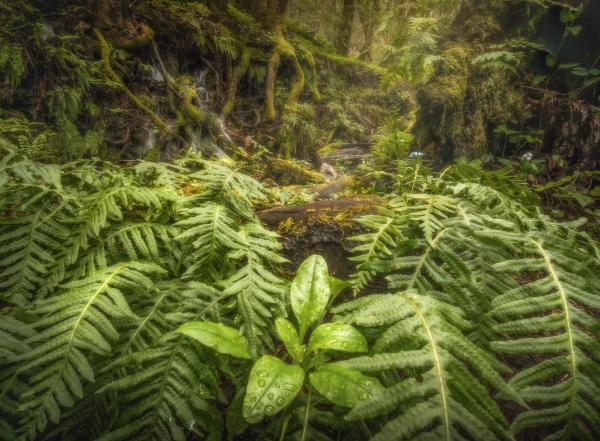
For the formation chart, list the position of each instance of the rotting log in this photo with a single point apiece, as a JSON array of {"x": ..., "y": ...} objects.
[{"x": 321, "y": 227}]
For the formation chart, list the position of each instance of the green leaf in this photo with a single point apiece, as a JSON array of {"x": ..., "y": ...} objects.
[
  {"x": 337, "y": 286},
  {"x": 289, "y": 336},
  {"x": 344, "y": 387},
  {"x": 235, "y": 422},
  {"x": 310, "y": 292},
  {"x": 219, "y": 337},
  {"x": 271, "y": 387},
  {"x": 339, "y": 337},
  {"x": 583, "y": 199}
]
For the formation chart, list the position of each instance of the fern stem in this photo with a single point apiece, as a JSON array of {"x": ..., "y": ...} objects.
[
  {"x": 305, "y": 425},
  {"x": 438, "y": 368},
  {"x": 430, "y": 247},
  {"x": 284, "y": 426},
  {"x": 565, "y": 302}
]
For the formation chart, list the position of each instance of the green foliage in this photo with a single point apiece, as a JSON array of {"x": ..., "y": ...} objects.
[
  {"x": 102, "y": 263},
  {"x": 273, "y": 385},
  {"x": 451, "y": 254},
  {"x": 12, "y": 63},
  {"x": 552, "y": 316}
]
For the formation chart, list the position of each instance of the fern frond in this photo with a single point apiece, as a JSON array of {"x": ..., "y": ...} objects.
[
  {"x": 258, "y": 292},
  {"x": 554, "y": 317},
  {"x": 168, "y": 379},
  {"x": 452, "y": 398},
  {"x": 128, "y": 241},
  {"x": 74, "y": 325},
  {"x": 226, "y": 186},
  {"x": 109, "y": 204},
  {"x": 427, "y": 210},
  {"x": 12, "y": 335},
  {"x": 28, "y": 247},
  {"x": 211, "y": 232},
  {"x": 383, "y": 239}
]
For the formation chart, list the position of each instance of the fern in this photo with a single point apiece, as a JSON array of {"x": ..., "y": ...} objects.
[
  {"x": 168, "y": 379},
  {"x": 72, "y": 324},
  {"x": 129, "y": 241},
  {"x": 553, "y": 317},
  {"x": 104, "y": 321},
  {"x": 28, "y": 245},
  {"x": 441, "y": 397},
  {"x": 467, "y": 254},
  {"x": 258, "y": 292},
  {"x": 31, "y": 231},
  {"x": 224, "y": 185},
  {"x": 382, "y": 240},
  {"x": 212, "y": 232},
  {"x": 12, "y": 334}
]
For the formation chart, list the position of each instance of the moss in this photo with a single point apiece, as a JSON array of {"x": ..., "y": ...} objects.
[
  {"x": 290, "y": 228},
  {"x": 105, "y": 53},
  {"x": 239, "y": 71},
  {"x": 329, "y": 148},
  {"x": 440, "y": 116},
  {"x": 352, "y": 61},
  {"x": 288, "y": 172},
  {"x": 141, "y": 37},
  {"x": 459, "y": 108}
]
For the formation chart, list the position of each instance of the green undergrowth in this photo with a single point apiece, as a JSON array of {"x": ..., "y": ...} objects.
[{"x": 488, "y": 324}]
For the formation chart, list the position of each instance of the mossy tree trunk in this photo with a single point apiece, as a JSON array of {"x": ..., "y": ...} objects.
[
  {"x": 344, "y": 27},
  {"x": 219, "y": 7},
  {"x": 274, "y": 17},
  {"x": 369, "y": 14},
  {"x": 235, "y": 75}
]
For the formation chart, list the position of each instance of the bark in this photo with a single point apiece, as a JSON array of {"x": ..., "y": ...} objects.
[
  {"x": 256, "y": 8},
  {"x": 369, "y": 16},
  {"x": 105, "y": 53},
  {"x": 234, "y": 80},
  {"x": 274, "y": 19},
  {"x": 344, "y": 27}
]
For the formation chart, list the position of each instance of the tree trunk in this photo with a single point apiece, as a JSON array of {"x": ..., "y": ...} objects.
[
  {"x": 274, "y": 18},
  {"x": 369, "y": 16},
  {"x": 219, "y": 6},
  {"x": 344, "y": 27},
  {"x": 256, "y": 8}
]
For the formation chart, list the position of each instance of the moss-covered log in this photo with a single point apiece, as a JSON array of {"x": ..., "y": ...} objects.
[{"x": 321, "y": 227}]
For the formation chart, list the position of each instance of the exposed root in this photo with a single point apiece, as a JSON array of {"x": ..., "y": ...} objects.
[
  {"x": 239, "y": 71},
  {"x": 272, "y": 66},
  {"x": 105, "y": 53},
  {"x": 282, "y": 49}
]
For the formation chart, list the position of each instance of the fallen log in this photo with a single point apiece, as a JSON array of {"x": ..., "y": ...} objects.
[{"x": 321, "y": 227}]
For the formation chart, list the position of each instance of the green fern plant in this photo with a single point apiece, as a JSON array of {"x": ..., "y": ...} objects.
[
  {"x": 117, "y": 262},
  {"x": 464, "y": 256},
  {"x": 438, "y": 396},
  {"x": 13, "y": 334},
  {"x": 66, "y": 337},
  {"x": 553, "y": 320}
]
